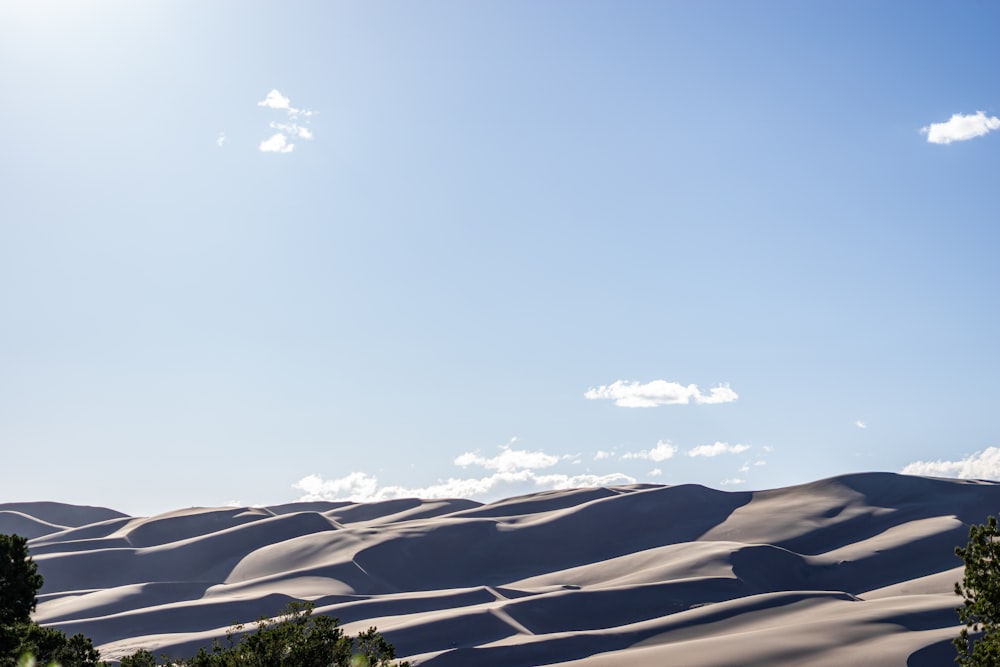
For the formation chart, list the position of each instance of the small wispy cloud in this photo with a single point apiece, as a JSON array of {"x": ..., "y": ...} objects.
[
  {"x": 732, "y": 481},
  {"x": 861, "y": 424},
  {"x": 508, "y": 460},
  {"x": 294, "y": 128},
  {"x": 983, "y": 464},
  {"x": 220, "y": 140},
  {"x": 961, "y": 127},
  {"x": 717, "y": 448},
  {"x": 655, "y": 472},
  {"x": 602, "y": 454},
  {"x": 663, "y": 451},
  {"x": 633, "y": 394}
]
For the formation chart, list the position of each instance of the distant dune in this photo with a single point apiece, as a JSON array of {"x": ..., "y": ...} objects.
[{"x": 854, "y": 570}]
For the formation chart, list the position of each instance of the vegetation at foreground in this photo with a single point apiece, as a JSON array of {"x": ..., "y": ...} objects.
[
  {"x": 19, "y": 635},
  {"x": 296, "y": 638},
  {"x": 978, "y": 643}
]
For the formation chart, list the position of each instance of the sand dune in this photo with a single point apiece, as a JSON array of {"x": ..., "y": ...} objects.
[{"x": 857, "y": 569}]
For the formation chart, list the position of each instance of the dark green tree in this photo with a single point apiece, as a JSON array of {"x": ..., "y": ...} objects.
[
  {"x": 141, "y": 658},
  {"x": 49, "y": 645},
  {"x": 978, "y": 643},
  {"x": 19, "y": 581},
  {"x": 19, "y": 585}
]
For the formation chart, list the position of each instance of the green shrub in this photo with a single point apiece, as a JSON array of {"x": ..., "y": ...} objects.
[
  {"x": 980, "y": 588},
  {"x": 296, "y": 638}
]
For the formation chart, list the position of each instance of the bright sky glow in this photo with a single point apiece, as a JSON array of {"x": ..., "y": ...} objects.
[{"x": 371, "y": 250}]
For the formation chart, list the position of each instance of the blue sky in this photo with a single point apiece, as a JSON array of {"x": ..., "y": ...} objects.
[{"x": 254, "y": 252}]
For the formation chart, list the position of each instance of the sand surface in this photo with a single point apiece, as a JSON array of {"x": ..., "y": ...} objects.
[{"x": 855, "y": 570}]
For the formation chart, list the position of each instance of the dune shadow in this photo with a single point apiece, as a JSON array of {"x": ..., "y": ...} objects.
[
  {"x": 460, "y": 553},
  {"x": 933, "y": 655}
]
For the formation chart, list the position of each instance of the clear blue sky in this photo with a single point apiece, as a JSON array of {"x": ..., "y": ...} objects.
[{"x": 486, "y": 212}]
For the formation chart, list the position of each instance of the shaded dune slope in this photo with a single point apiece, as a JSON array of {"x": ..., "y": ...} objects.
[{"x": 853, "y": 569}]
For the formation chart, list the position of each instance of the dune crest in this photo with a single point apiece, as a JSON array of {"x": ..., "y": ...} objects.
[{"x": 856, "y": 569}]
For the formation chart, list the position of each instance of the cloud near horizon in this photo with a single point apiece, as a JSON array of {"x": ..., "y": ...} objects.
[
  {"x": 634, "y": 394},
  {"x": 515, "y": 474},
  {"x": 961, "y": 127},
  {"x": 983, "y": 464},
  {"x": 362, "y": 487},
  {"x": 509, "y": 460},
  {"x": 717, "y": 449},
  {"x": 663, "y": 451}
]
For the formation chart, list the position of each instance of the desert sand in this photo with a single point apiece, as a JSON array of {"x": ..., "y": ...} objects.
[{"x": 857, "y": 570}]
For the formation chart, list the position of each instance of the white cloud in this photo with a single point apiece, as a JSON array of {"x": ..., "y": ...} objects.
[
  {"x": 663, "y": 451},
  {"x": 861, "y": 424},
  {"x": 760, "y": 463},
  {"x": 602, "y": 454},
  {"x": 220, "y": 140},
  {"x": 354, "y": 485},
  {"x": 509, "y": 460},
  {"x": 717, "y": 448},
  {"x": 293, "y": 129},
  {"x": 732, "y": 481},
  {"x": 961, "y": 127},
  {"x": 984, "y": 464},
  {"x": 655, "y": 472},
  {"x": 558, "y": 481},
  {"x": 745, "y": 467},
  {"x": 515, "y": 471},
  {"x": 275, "y": 100},
  {"x": 278, "y": 143},
  {"x": 361, "y": 487},
  {"x": 627, "y": 394}
]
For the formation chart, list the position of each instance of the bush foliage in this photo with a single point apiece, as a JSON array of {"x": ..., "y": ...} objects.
[
  {"x": 296, "y": 638},
  {"x": 19, "y": 636},
  {"x": 978, "y": 643}
]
